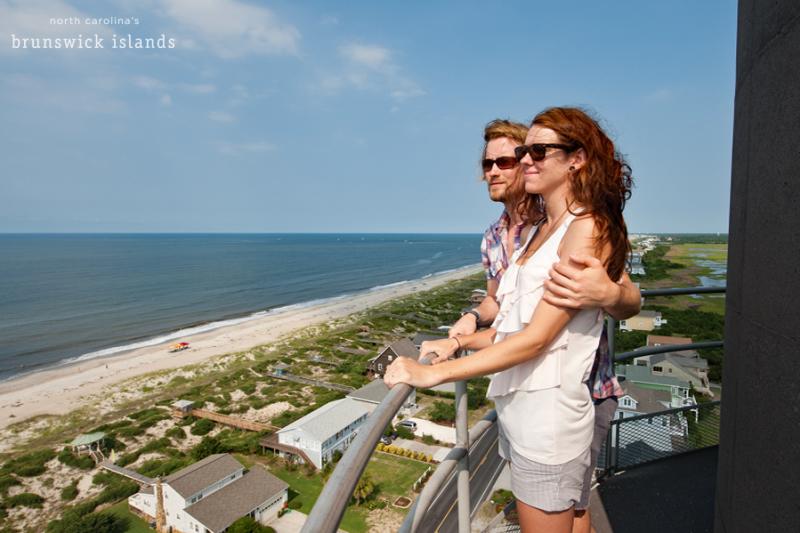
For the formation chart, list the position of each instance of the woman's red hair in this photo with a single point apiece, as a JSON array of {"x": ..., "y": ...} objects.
[{"x": 601, "y": 186}]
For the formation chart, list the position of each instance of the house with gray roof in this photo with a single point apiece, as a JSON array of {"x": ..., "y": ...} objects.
[
  {"x": 209, "y": 495},
  {"x": 320, "y": 433},
  {"x": 373, "y": 393},
  {"x": 376, "y": 366}
]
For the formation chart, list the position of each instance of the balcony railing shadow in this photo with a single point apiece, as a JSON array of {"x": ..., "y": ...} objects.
[{"x": 666, "y": 458}]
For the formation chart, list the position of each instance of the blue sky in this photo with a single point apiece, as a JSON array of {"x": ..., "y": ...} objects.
[{"x": 349, "y": 116}]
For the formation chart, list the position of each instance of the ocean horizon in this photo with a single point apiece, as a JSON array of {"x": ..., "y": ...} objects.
[{"x": 66, "y": 297}]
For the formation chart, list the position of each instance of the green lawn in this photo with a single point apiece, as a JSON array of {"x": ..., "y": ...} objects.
[
  {"x": 135, "y": 524},
  {"x": 307, "y": 489},
  {"x": 393, "y": 476}
]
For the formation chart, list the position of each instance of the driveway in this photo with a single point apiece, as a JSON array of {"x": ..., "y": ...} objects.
[{"x": 440, "y": 433}]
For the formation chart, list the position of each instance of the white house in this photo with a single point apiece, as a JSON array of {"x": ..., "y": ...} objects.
[
  {"x": 320, "y": 433},
  {"x": 654, "y": 434},
  {"x": 645, "y": 321},
  {"x": 208, "y": 496}
]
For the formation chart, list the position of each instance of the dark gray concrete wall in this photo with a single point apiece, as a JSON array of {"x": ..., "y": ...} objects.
[{"x": 759, "y": 459}]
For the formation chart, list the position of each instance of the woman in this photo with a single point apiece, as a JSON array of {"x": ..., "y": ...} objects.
[{"x": 541, "y": 355}]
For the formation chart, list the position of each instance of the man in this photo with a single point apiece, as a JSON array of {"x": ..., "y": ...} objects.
[{"x": 583, "y": 283}]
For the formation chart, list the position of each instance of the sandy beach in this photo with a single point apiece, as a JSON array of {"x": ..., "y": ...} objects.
[{"x": 63, "y": 389}]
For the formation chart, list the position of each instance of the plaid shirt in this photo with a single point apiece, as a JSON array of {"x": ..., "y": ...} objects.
[
  {"x": 602, "y": 380},
  {"x": 494, "y": 255}
]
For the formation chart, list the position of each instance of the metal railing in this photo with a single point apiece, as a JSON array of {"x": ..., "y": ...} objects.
[
  {"x": 636, "y": 440},
  {"x": 336, "y": 494}
]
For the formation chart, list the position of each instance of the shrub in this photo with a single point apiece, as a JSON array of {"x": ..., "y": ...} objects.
[
  {"x": 25, "y": 499},
  {"x": 428, "y": 439},
  {"x": 70, "y": 492},
  {"x": 202, "y": 427},
  {"x": 7, "y": 481},
  {"x": 29, "y": 465},
  {"x": 176, "y": 433},
  {"x": 443, "y": 412},
  {"x": 380, "y": 447},
  {"x": 67, "y": 457},
  {"x": 207, "y": 446},
  {"x": 404, "y": 433},
  {"x": 295, "y": 504},
  {"x": 247, "y": 524}
]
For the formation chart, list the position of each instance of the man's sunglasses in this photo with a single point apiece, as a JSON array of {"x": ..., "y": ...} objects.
[
  {"x": 503, "y": 163},
  {"x": 538, "y": 151}
]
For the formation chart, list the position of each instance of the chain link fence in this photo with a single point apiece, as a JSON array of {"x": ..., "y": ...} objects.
[{"x": 640, "y": 439}]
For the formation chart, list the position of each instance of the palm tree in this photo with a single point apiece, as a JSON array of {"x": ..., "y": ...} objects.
[{"x": 364, "y": 489}]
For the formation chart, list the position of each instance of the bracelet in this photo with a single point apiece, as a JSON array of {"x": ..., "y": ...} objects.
[
  {"x": 474, "y": 312},
  {"x": 458, "y": 342}
]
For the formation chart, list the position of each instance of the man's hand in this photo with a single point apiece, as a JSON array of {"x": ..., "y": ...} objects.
[
  {"x": 442, "y": 349},
  {"x": 583, "y": 283},
  {"x": 466, "y": 325}
]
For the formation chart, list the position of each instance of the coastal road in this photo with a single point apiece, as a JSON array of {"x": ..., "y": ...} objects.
[{"x": 442, "y": 515}]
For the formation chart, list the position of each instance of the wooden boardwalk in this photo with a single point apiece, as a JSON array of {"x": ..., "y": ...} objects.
[
  {"x": 128, "y": 473},
  {"x": 314, "y": 382},
  {"x": 231, "y": 421}
]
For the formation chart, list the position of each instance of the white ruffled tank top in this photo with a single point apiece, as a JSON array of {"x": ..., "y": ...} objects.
[{"x": 544, "y": 405}]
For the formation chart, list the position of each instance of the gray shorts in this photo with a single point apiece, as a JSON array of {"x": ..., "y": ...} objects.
[
  {"x": 551, "y": 488},
  {"x": 603, "y": 415}
]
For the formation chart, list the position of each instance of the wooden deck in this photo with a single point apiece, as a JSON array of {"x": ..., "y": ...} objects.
[{"x": 128, "y": 473}]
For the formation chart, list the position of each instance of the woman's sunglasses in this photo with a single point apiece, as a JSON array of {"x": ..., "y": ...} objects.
[
  {"x": 538, "y": 151},
  {"x": 503, "y": 163}
]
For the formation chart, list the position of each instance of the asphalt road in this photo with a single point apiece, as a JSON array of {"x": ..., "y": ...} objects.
[{"x": 442, "y": 515}]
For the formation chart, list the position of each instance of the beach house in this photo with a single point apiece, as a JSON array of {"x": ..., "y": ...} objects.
[
  {"x": 644, "y": 321},
  {"x": 401, "y": 348},
  {"x": 209, "y": 495},
  {"x": 315, "y": 437},
  {"x": 685, "y": 365}
]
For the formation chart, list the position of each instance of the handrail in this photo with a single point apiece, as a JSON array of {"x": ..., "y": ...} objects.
[
  {"x": 667, "y": 348},
  {"x": 442, "y": 473},
  {"x": 666, "y": 412},
  {"x": 679, "y": 291},
  {"x": 332, "y": 502}
]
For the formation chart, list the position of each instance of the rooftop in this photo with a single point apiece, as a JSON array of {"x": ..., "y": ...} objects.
[
  {"x": 89, "y": 438},
  {"x": 649, "y": 400},
  {"x": 225, "y": 506},
  {"x": 330, "y": 418},
  {"x": 198, "y": 476},
  {"x": 641, "y": 374},
  {"x": 374, "y": 392}
]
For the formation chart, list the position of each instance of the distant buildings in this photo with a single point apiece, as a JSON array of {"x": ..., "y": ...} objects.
[
  {"x": 644, "y": 321},
  {"x": 685, "y": 365},
  {"x": 208, "y": 496}
]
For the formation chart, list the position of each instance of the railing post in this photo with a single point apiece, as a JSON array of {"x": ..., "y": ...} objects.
[
  {"x": 609, "y": 444},
  {"x": 462, "y": 441},
  {"x": 611, "y": 326}
]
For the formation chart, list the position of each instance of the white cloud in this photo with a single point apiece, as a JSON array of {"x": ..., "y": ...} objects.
[
  {"x": 371, "y": 56},
  {"x": 251, "y": 147},
  {"x": 369, "y": 66},
  {"x": 230, "y": 28},
  {"x": 149, "y": 84},
  {"x": 221, "y": 116}
]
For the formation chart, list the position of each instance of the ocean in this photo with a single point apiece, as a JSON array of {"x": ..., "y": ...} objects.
[{"x": 67, "y": 297}]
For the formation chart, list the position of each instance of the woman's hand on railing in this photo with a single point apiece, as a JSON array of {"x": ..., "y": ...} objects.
[
  {"x": 409, "y": 371},
  {"x": 439, "y": 351}
]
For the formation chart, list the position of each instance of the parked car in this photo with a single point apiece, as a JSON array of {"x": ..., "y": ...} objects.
[
  {"x": 386, "y": 440},
  {"x": 410, "y": 424}
]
